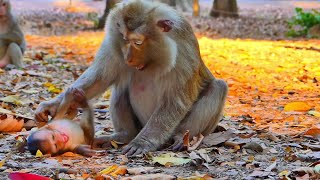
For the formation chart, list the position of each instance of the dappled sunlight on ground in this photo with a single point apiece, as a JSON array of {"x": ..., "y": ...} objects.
[
  {"x": 74, "y": 6},
  {"x": 263, "y": 76}
]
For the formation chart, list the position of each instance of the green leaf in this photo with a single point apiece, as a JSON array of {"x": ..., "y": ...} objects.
[
  {"x": 317, "y": 169},
  {"x": 169, "y": 158}
]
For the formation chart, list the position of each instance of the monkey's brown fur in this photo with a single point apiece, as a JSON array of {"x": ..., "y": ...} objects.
[
  {"x": 12, "y": 42},
  {"x": 161, "y": 87}
]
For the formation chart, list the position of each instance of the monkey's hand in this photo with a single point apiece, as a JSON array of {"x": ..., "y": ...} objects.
[
  {"x": 85, "y": 150},
  {"x": 45, "y": 109},
  {"x": 138, "y": 146}
]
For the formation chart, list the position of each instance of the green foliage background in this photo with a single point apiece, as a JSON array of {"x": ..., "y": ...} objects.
[{"x": 304, "y": 20}]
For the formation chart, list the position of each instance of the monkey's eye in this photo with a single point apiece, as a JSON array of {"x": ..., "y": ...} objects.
[
  {"x": 138, "y": 43},
  {"x": 4, "y": 4},
  {"x": 52, "y": 137},
  {"x": 118, "y": 24},
  {"x": 56, "y": 146}
]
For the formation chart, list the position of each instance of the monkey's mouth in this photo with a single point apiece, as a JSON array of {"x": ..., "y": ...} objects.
[
  {"x": 63, "y": 137},
  {"x": 140, "y": 67}
]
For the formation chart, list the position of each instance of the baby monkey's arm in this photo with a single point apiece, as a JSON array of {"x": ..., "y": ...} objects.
[
  {"x": 84, "y": 150},
  {"x": 76, "y": 97}
]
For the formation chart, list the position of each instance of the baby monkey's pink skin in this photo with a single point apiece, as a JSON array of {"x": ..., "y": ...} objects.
[{"x": 64, "y": 135}]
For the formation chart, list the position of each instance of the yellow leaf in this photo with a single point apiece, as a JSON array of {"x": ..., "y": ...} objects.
[
  {"x": 314, "y": 113},
  {"x": 250, "y": 159},
  {"x": 297, "y": 106},
  {"x": 284, "y": 173},
  {"x": 47, "y": 84},
  {"x": 2, "y": 162},
  {"x": 53, "y": 89},
  {"x": 107, "y": 94},
  {"x": 122, "y": 170},
  {"x": 114, "y": 144},
  {"x": 109, "y": 169},
  {"x": 39, "y": 154}
]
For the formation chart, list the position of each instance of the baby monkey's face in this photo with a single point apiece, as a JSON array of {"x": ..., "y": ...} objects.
[{"x": 50, "y": 141}]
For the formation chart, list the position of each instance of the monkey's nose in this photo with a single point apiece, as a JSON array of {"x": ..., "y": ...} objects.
[{"x": 130, "y": 62}]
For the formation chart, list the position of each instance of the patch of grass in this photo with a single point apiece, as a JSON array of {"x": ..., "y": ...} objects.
[{"x": 302, "y": 21}]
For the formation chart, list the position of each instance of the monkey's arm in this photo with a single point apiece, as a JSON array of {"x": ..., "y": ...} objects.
[
  {"x": 94, "y": 81},
  {"x": 84, "y": 150},
  {"x": 161, "y": 125},
  {"x": 14, "y": 35}
]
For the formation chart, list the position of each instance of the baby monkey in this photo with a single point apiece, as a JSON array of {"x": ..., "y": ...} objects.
[{"x": 62, "y": 134}]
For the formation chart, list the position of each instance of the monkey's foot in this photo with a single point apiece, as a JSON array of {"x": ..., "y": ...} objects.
[
  {"x": 178, "y": 144},
  {"x": 4, "y": 61},
  {"x": 3, "y": 64},
  {"x": 137, "y": 147}
]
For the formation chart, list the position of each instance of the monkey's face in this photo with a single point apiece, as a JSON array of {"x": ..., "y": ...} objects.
[
  {"x": 4, "y": 5},
  {"x": 48, "y": 140},
  {"x": 134, "y": 50}
]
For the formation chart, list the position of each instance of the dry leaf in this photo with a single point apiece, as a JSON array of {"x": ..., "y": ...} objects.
[
  {"x": 169, "y": 158},
  {"x": 314, "y": 132},
  {"x": 253, "y": 146},
  {"x": 2, "y": 162},
  {"x": 217, "y": 138},
  {"x": 195, "y": 143},
  {"x": 109, "y": 169},
  {"x": 39, "y": 154},
  {"x": 122, "y": 170},
  {"x": 186, "y": 138},
  {"x": 140, "y": 170},
  {"x": 272, "y": 166},
  {"x": 297, "y": 106}
]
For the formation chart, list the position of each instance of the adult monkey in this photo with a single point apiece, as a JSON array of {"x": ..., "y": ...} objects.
[
  {"x": 12, "y": 42},
  {"x": 161, "y": 87}
]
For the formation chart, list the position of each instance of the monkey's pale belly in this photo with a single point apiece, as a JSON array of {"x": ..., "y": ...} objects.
[{"x": 144, "y": 100}]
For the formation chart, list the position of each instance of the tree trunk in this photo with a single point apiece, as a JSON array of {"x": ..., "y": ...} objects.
[
  {"x": 109, "y": 5},
  {"x": 196, "y": 8},
  {"x": 225, "y": 8}
]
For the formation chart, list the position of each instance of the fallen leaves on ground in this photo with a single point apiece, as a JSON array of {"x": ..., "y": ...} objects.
[
  {"x": 269, "y": 81},
  {"x": 271, "y": 112}
]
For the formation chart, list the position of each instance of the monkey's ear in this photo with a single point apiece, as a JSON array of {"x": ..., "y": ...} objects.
[{"x": 165, "y": 25}]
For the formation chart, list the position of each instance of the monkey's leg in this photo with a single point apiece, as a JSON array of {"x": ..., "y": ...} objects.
[
  {"x": 15, "y": 55},
  {"x": 4, "y": 57},
  {"x": 123, "y": 119},
  {"x": 205, "y": 114}
]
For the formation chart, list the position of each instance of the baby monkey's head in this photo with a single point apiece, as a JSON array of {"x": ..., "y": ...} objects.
[{"x": 48, "y": 140}]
